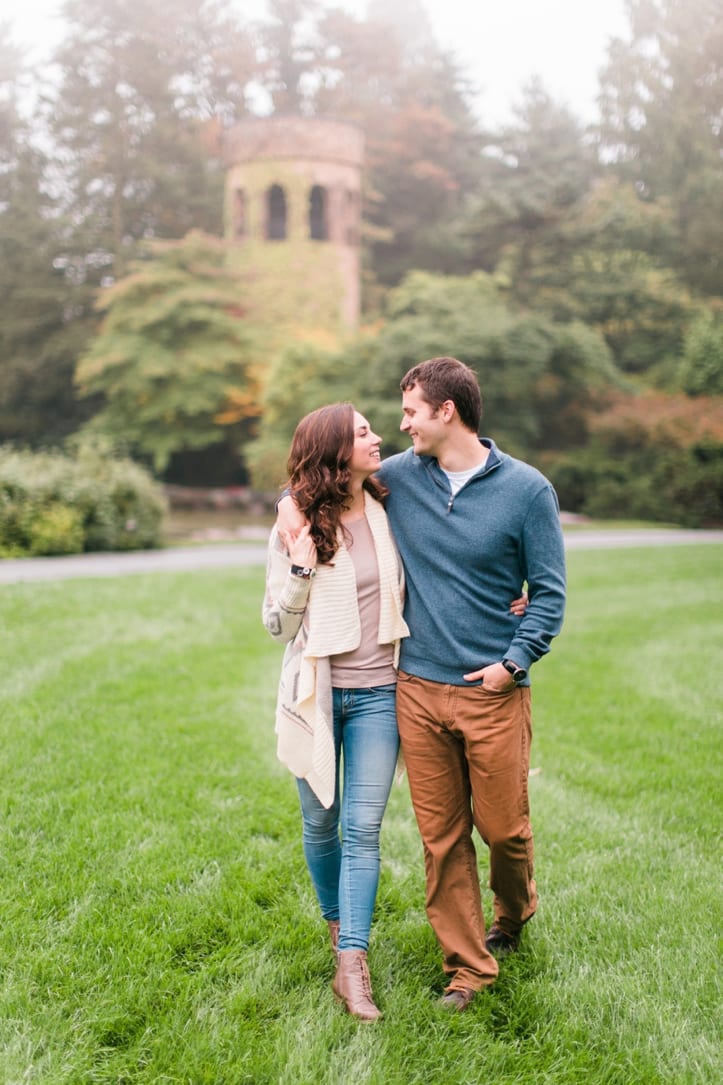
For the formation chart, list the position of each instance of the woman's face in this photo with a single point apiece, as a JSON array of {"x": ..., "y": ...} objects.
[{"x": 365, "y": 457}]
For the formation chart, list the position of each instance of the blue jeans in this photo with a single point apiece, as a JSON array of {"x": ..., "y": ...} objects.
[{"x": 345, "y": 870}]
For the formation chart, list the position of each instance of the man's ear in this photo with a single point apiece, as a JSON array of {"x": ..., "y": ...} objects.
[{"x": 447, "y": 410}]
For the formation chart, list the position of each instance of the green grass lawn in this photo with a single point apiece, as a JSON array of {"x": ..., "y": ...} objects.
[{"x": 157, "y": 923}]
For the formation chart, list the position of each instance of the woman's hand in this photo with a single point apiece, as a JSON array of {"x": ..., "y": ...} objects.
[
  {"x": 519, "y": 606},
  {"x": 289, "y": 521},
  {"x": 302, "y": 550}
]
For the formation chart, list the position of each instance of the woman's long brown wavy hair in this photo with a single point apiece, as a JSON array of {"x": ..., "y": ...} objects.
[{"x": 319, "y": 474}]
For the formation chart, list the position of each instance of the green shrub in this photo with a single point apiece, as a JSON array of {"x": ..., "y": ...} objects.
[
  {"x": 122, "y": 505},
  {"x": 16, "y": 517},
  {"x": 56, "y": 529},
  {"x": 681, "y": 490},
  {"x": 51, "y": 503},
  {"x": 656, "y": 458}
]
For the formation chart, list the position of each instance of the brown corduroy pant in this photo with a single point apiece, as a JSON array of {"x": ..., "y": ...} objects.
[{"x": 467, "y": 754}]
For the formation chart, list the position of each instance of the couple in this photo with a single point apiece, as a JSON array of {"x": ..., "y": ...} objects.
[{"x": 427, "y": 649}]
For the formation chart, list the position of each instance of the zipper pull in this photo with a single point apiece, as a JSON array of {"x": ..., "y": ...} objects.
[{"x": 450, "y": 503}]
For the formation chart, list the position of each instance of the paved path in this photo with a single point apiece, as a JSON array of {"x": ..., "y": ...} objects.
[
  {"x": 190, "y": 558},
  {"x": 614, "y": 539},
  {"x": 175, "y": 559}
]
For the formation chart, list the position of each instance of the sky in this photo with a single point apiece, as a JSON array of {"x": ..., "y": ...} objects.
[{"x": 500, "y": 44}]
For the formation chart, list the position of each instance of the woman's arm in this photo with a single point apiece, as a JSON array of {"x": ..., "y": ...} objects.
[{"x": 286, "y": 594}]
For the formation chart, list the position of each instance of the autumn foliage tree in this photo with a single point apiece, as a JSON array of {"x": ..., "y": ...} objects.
[
  {"x": 387, "y": 73},
  {"x": 174, "y": 360}
]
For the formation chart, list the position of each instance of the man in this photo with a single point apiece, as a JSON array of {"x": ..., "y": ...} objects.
[{"x": 472, "y": 525}]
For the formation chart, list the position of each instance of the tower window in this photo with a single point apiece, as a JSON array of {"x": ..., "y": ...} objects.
[
  {"x": 276, "y": 214},
  {"x": 318, "y": 224}
]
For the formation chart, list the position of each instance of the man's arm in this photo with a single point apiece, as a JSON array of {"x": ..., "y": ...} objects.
[
  {"x": 543, "y": 559},
  {"x": 543, "y": 553}
]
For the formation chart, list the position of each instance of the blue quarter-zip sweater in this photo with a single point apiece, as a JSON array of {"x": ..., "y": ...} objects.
[{"x": 467, "y": 557}]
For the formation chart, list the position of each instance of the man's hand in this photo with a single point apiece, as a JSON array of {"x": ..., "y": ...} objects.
[
  {"x": 289, "y": 522},
  {"x": 494, "y": 677}
]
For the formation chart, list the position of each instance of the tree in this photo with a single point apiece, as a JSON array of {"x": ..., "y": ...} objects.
[
  {"x": 291, "y": 55},
  {"x": 702, "y": 365},
  {"x": 536, "y": 176},
  {"x": 540, "y": 378},
  {"x": 614, "y": 283},
  {"x": 565, "y": 236},
  {"x": 44, "y": 320},
  {"x": 139, "y": 85},
  {"x": 661, "y": 100},
  {"x": 44, "y": 316},
  {"x": 301, "y": 378},
  {"x": 423, "y": 145},
  {"x": 174, "y": 355}
]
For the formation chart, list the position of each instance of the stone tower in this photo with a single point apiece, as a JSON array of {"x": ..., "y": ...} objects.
[{"x": 292, "y": 211}]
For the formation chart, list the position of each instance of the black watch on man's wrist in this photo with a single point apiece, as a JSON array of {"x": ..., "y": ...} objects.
[{"x": 519, "y": 674}]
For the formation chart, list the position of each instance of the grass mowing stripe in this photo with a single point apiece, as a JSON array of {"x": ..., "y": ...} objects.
[{"x": 158, "y": 924}]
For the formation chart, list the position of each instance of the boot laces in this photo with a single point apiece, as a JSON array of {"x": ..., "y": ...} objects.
[{"x": 365, "y": 977}]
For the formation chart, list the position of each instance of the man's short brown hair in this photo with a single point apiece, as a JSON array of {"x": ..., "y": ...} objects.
[{"x": 440, "y": 379}]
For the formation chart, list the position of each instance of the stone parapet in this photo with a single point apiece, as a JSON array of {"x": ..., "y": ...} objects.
[{"x": 281, "y": 137}]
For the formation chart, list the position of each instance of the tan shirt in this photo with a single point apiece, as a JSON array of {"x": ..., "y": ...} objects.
[{"x": 371, "y": 663}]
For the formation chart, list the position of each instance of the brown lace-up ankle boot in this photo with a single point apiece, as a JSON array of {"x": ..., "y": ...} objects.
[
  {"x": 352, "y": 984},
  {"x": 333, "y": 925}
]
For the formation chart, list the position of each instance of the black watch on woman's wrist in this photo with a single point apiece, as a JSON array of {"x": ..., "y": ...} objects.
[{"x": 302, "y": 571}]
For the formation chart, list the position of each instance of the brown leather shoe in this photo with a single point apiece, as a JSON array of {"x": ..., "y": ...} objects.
[
  {"x": 457, "y": 999},
  {"x": 333, "y": 925},
  {"x": 500, "y": 943},
  {"x": 352, "y": 984}
]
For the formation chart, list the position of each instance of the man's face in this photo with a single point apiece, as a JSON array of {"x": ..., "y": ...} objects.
[{"x": 422, "y": 422}]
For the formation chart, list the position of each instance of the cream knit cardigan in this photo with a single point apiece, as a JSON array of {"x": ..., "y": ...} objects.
[{"x": 318, "y": 618}]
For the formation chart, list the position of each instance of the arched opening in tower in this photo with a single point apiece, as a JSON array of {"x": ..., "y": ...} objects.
[
  {"x": 318, "y": 219},
  {"x": 276, "y": 214}
]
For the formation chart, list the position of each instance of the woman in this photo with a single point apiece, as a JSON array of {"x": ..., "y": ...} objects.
[{"x": 336, "y": 597}]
